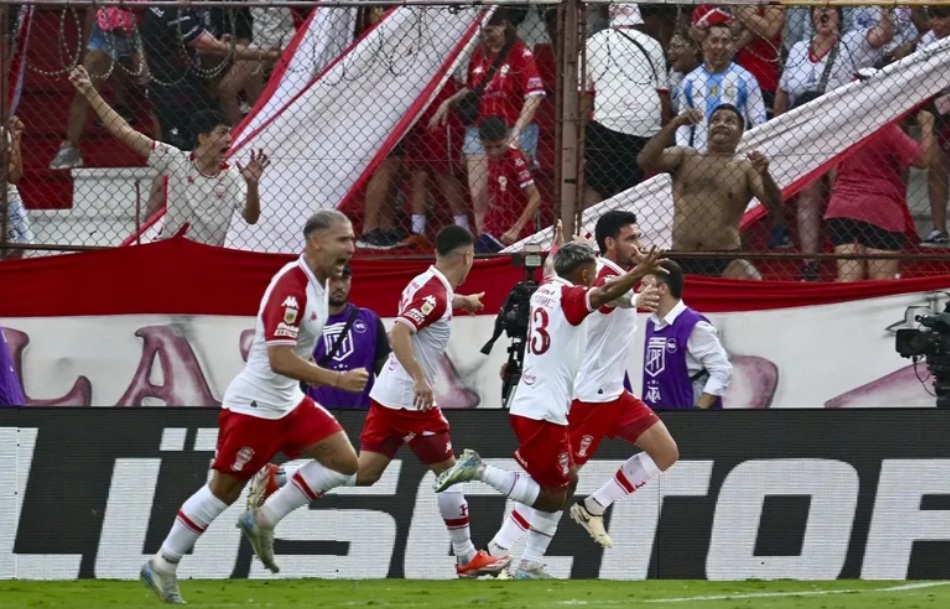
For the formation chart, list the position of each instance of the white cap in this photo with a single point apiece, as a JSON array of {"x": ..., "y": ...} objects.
[{"x": 625, "y": 15}]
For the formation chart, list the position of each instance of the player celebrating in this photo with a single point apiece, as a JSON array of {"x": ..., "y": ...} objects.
[
  {"x": 602, "y": 407},
  {"x": 265, "y": 412},
  {"x": 402, "y": 406},
  {"x": 539, "y": 410}
]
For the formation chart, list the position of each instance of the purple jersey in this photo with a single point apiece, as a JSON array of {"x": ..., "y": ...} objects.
[{"x": 11, "y": 391}]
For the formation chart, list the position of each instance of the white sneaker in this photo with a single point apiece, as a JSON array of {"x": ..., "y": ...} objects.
[
  {"x": 592, "y": 524},
  {"x": 68, "y": 157},
  {"x": 261, "y": 538},
  {"x": 263, "y": 485},
  {"x": 531, "y": 570},
  {"x": 164, "y": 585}
]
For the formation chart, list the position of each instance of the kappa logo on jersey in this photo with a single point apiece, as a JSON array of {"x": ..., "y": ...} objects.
[
  {"x": 243, "y": 457},
  {"x": 428, "y": 305},
  {"x": 291, "y": 302},
  {"x": 655, "y": 362}
]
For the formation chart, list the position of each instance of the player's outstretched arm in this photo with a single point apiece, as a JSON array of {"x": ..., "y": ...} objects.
[
  {"x": 612, "y": 290},
  {"x": 285, "y": 362},
  {"x": 655, "y": 156},
  {"x": 112, "y": 120}
]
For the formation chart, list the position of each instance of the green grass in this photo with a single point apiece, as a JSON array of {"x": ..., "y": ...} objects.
[{"x": 404, "y": 594}]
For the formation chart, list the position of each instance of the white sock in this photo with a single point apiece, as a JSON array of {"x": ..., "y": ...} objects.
[
  {"x": 454, "y": 510},
  {"x": 461, "y": 220},
  {"x": 543, "y": 527},
  {"x": 193, "y": 519},
  {"x": 307, "y": 484},
  {"x": 513, "y": 529},
  {"x": 418, "y": 224},
  {"x": 633, "y": 474},
  {"x": 519, "y": 487}
]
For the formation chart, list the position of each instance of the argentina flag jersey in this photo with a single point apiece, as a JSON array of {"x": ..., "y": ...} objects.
[{"x": 704, "y": 90}]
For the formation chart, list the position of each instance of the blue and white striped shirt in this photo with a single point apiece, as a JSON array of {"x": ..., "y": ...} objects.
[{"x": 704, "y": 90}]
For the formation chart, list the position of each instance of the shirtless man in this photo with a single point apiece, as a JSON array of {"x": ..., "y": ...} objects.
[{"x": 711, "y": 190}]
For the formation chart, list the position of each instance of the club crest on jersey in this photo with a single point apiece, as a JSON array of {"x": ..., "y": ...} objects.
[
  {"x": 428, "y": 305},
  {"x": 586, "y": 441},
  {"x": 290, "y": 310},
  {"x": 655, "y": 362},
  {"x": 564, "y": 461},
  {"x": 243, "y": 457}
]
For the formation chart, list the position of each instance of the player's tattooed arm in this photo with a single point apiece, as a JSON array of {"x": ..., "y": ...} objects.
[{"x": 284, "y": 361}]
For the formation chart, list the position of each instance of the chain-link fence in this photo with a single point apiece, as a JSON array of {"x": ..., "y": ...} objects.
[{"x": 231, "y": 121}]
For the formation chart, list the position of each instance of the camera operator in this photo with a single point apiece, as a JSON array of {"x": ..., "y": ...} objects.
[{"x": 684, "y": 364}]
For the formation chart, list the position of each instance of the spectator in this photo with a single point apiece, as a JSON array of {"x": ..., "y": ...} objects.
[
  {"x": 243, "y": 76},
  {"x": 938, "y": 176},
  {"x": 18, "y": 222},
  {"x": 758, "y": 31},
  {"x": 430, "y": 157},
  {"x": 203, "y": 190},
  {"x": 112, "y": 42},
  {"x": 684, "y": 57},
  {"x": 381, "y": 204},
  {"x": 718, "y": 81},
  {"x": 627, "y": 98},
  {"x": 830, "y": 59},
  {"x": 868, "y": 206},
  {"x": 513, "y": 93},
  {"x": 684, "y": 364},
  {"x": 513, "y": 197},
  {"x": 176, "y": 89},
  {"x": 353, "y": 338},
  {"x": 11, "y": 391}
]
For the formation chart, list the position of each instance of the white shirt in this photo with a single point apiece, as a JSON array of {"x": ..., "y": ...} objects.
[
  {"x": 868, "y": 17},
  {"x": 205, "y": 203},
  {"x": 803, "y": 71},
  {"x": 626, "y": 81},
  {"x": 426, "y": 309},
  {"x": 610, "y": 334},
  {"x": 554, "y": 348},
  {"x": 705, "y": 90},
  {"x": 293, "y": 311},
  {"x": 703, "y": 351}
]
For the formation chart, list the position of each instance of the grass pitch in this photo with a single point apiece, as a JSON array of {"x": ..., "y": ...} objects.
[{"x": 406, "y": 594}]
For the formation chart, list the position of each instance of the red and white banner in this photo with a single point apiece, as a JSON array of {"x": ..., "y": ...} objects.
[
  {"x": 326, "y": 142},
  {"x": 170, "y": 324},
  {"x": 801, "y": 144}
]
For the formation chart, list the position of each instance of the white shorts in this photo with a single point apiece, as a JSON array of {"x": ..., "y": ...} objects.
[{"x": 18, "y": 223}]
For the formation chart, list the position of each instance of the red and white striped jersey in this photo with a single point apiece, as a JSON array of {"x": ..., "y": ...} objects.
[
  {"x": 293, "y": 312},
  {"x": 610, "y": 334},
  {"x": 426, "y": 308},
  {"x": 557, "y": 336}
]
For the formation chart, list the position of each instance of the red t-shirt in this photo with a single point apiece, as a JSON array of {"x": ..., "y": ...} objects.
[
  {"x": 508, "y": 177},
  {"x": 515, "y": 79},
  {"x": 760, "y": 57},
  {"x": 869, "y": 186}
]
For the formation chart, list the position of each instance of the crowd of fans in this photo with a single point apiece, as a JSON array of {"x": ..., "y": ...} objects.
[{"x": 482, "y": 152}]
